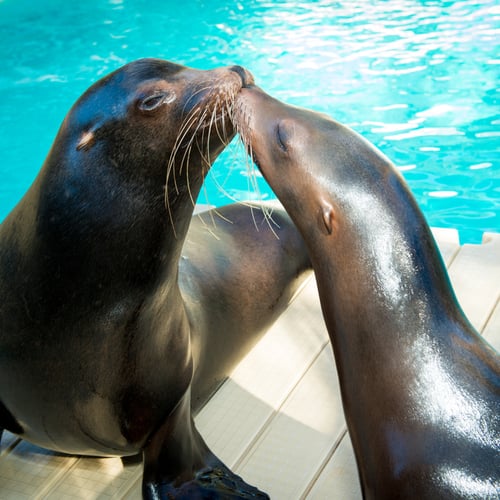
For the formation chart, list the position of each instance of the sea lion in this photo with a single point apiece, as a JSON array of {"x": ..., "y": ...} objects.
[
  {"x": 420, "y": 387},
  {"x": 101, "y": 329}
]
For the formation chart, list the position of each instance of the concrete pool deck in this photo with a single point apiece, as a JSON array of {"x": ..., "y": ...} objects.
[{"x": 278, "y": 420}]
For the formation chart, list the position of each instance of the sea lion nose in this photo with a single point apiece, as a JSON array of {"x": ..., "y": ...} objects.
[{"x": 245, "y": 75}]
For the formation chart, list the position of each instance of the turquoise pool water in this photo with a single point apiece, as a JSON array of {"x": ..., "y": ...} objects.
[{"x": 417, "y": 78}]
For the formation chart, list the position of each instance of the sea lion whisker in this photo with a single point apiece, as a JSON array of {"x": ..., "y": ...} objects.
[
  {"x": 212, "y": 122},
  {"x": 204, "y": 173},
  {"x": 220, "y": 134},
  {"x": 206, "y": 99},
  {"x": 192, "y": 138},
  {"x": 166, "y": 198},
  {"x": 194, "y": 95},
  {"x": 183, "y": 130},
  {"x": 222, "y": 108},
  {"x": 225, "y": 112},
  {"x": 268, "y": 215},
  {"x": 186, "y": 127},
  {"x": 244, "y": 117},
  {"x": 188, "y": 183},
  {"x": 210, "y": 230},
  {"x": 205, "y": 195},
  {"x": 220, "y": 185},
  {"x": 252, "y": 179},
  {"x": 219, "y": 214},
  {"x": 265, "y": 209},
  {"x": 211, "y": 213},
  {"x": 205, "y": 158},
  {"x": 216, "y": 212},
  {"x": 228, "y": 112},
  {"x": 169, "y": 212},
  {"x": 226, "y": 193},
  {"x": 223, "y": 134},
  {"x": 191, "y": 119}
]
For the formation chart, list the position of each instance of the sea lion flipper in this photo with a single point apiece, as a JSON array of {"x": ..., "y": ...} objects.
[
  {"x": 178, "y": 464},
  {"x": 215, "y": 482}
]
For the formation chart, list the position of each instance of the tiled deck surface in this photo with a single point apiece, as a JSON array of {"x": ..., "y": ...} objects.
[{"x": 278, "y": 420}]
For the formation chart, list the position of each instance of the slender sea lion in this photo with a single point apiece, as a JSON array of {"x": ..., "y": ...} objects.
[
  {"x": 101, "y": 329},
  {"x": 420, "y": 387}
]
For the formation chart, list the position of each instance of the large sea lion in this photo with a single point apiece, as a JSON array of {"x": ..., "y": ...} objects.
[
  {"x": 420, "y": 388},
  {"x": 104, "y": 335}
]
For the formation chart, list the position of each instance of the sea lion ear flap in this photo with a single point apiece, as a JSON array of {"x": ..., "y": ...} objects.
[
  {"x": 87, "y": 139},
  {"x": 328, "y": 215}
]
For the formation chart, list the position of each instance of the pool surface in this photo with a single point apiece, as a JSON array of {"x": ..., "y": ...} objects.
[{"x": 419, "y": 79}]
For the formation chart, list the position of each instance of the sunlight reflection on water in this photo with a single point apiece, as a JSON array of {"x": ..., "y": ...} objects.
[{"x": 418, "y": 78}]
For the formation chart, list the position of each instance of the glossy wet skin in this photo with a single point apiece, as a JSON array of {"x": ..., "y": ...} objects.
[{"x": 420, "y": 388}]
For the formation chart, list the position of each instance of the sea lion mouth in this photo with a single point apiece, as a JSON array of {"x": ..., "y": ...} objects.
[
  {"x": 207, "y": 127},
  {"x": 213, "y": 103}
]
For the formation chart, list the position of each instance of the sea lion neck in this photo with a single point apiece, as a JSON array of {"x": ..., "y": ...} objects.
[{"x": 384, "y": 250}]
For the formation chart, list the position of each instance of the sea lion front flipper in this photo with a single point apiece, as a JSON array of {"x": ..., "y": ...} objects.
[{"x": 178, "y": 464}]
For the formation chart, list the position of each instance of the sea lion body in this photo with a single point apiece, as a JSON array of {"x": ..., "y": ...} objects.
[
  {"x": 420, "y": 387},
  {"x": 256, "y": 263},
  {"x": 96, "y": 336}
]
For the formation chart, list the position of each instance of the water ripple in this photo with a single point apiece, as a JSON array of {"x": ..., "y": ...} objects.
[{"x": 417, "y": 78}]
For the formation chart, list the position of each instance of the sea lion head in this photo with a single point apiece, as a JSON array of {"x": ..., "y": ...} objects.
[
  {"x": 147, "y": 132},
  {"x": 316, "y": 166},
  {"x": 149, "y": 110}
]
